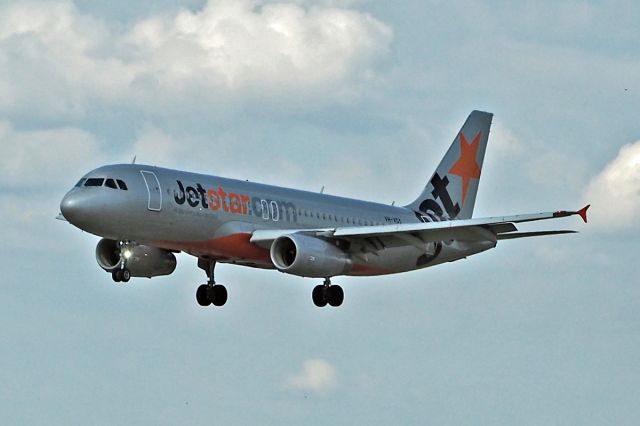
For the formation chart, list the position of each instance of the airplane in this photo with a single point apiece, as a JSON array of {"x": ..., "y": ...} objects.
[{"x": 146, "y": 214}]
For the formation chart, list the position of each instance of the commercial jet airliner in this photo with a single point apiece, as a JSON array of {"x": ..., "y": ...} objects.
[{"x": 145, "y": 214}]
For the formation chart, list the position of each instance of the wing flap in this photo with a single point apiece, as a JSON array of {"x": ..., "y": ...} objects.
[{"x": 533, "y": 234}]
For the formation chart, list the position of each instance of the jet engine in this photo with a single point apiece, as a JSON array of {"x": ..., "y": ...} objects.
[
  {"x": 140, "y": 260},
  {"x": 307, "y": 256}
]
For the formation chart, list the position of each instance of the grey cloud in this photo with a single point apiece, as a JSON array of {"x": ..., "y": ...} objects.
[
  {"x": 59, "y": 61},
  {"x": 34, "y": 158}
]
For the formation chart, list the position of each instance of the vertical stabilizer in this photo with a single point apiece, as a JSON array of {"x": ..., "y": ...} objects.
[{"x": 451, "y": 191}]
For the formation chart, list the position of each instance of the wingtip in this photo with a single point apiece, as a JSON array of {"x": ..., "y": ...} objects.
[{"x": 583, "y": 212}]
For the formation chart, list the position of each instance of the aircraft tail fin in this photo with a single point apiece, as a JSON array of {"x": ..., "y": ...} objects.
[{"x": 451, "y": 191}]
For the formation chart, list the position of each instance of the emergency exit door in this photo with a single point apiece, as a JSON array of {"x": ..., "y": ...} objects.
[{"x": 155, "y": 192}]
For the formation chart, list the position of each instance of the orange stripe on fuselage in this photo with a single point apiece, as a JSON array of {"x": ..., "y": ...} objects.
[
  {"x": 231, "y": 247},
  {"x": 365, "y": 270},
  {"x": 239, "y": 247}
]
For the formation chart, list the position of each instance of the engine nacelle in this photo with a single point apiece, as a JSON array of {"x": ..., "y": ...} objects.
[
  {"x": 141, "y": 261},
  {"x": 307, "y": 256}
]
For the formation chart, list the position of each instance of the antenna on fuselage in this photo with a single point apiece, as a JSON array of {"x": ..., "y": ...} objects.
[
  {"x": 322, "y": 189},
  {"x": 134, "y": 159},
  {"x": 393, "y": 203}
]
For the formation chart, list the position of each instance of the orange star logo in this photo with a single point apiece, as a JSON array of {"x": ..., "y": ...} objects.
[{"x": 467, "y": 165}]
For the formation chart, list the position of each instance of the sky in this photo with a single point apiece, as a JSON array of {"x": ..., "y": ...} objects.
[{"x": 363, "y": 98}]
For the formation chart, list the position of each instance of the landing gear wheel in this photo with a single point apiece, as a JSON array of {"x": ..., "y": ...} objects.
[
  {"x": 210, "y": 293},
  {"x": 335, "y": 295},
  {"x": 202, "y": 295},
  {"x": 318, "y": 296},
  {"x": 218, "y": 294},
  {"x": 120, "y": 275}
]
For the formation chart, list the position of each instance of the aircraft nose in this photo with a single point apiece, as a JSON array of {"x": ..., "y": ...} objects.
[{"x": 73, "y": 207}]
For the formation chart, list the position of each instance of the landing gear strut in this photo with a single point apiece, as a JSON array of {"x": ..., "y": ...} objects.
[
  {"x": 210, "y": 293},
  {"x": 327, "y": 293}
]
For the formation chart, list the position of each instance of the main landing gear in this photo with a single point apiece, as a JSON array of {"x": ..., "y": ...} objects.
[
  {"x": 327, "y": 293},
  {"x": 210, "y": 293}
]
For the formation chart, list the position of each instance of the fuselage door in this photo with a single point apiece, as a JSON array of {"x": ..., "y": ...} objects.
[{"x": 153, "y": 187}]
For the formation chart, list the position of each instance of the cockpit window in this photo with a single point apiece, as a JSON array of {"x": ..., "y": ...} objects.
[
  {"x": 110, "y": 183},
  {"x": 80, "y": 182},
  {"x": 94, "y": 182},
  {"x": 121, "y": 184}
]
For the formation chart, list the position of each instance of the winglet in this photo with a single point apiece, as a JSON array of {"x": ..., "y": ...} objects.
[{"x": 583, "y": 212}]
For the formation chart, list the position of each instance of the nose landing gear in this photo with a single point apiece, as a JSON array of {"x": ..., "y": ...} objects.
[
  {"x": 122, "y": 274},
  {"x": 327, "y": 294},
  {"x": 210, "y": 293}
]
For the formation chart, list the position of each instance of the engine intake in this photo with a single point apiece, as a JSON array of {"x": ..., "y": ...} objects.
[
  {"x": 142, "y": 261},
  {"x": 306, "y": 256}
]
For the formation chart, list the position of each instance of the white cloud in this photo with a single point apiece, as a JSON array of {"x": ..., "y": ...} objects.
[
  {"x": 38, "y": 158},
  {"x": 615, "y": 192},
  {"x": 57, "y": 60},
  {"x": 541, "y": 162},
  {"x": 317, "y": 375},
  {"x": 52, "y": 59},
  {"x": 154, "y": 146},
  {"x": 504, "y": 142}
]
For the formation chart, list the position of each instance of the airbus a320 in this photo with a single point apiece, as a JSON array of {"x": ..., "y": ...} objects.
[{"x": 145, "y": 215}]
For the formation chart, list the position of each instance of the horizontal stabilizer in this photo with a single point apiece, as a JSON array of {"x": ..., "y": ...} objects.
[{"x": 531, "y": 234}]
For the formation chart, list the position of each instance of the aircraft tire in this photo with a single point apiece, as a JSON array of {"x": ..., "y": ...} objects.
[
  {"x": 335, "y": 294},
  {"x": 202, "y": 295},
  {"x": 220, "y": 295},
  {"x": 126, "y": 275},
  {"x": 318, "y": 296},
  {"x": 115, "y": 275}
]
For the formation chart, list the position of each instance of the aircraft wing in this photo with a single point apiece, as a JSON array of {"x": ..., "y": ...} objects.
[{"x": 418, "y": 234}]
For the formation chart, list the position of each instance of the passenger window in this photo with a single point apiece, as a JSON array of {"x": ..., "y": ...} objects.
[
  {"x": 110, "y": 183},
  {"x": 94, "y": 182},
  {"x": 80, "y": 182},
  {"x": 121, "y": 184}
]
